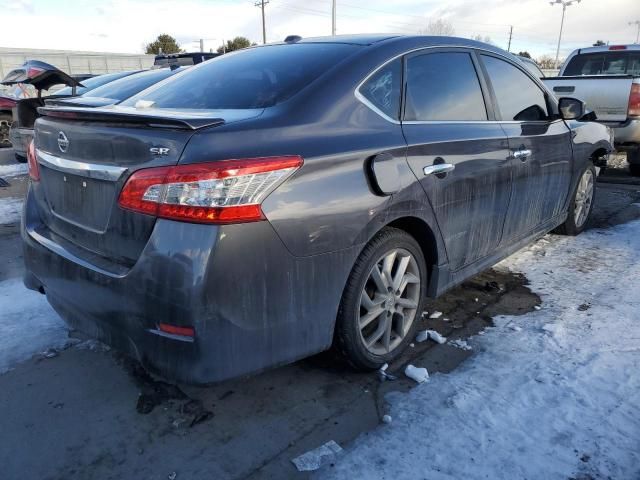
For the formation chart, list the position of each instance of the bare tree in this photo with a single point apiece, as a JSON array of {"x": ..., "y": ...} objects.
[
  {"x": 480, "y": 38},
  {"x": 547, "y": 62},
  {"x": 440, "y": 27}
]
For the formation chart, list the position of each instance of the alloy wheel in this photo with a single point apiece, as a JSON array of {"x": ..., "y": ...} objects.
[
  {"x": 389, "y": 301},
  {"x": 584, "y": 198}
]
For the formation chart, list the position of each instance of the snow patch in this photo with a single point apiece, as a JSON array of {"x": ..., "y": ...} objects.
[
  {"x": 435, "y": 315},
  {"x": 430, "y": 334},
  {"x": 13, "y": 170},
  {"x": 461, "y": 344},
  {"x": 560, "y": 399},
  {"x": 10, "y": 210},
  {"x": 28, "y": 325}
]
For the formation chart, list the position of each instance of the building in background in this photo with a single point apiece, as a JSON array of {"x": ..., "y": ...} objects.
[{"x": 75, "y": 62}]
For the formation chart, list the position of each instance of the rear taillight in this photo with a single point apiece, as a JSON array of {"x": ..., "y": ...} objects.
[
  {"x": 33, "y": 72},
  {"x": 32, "y": 161},
  {"x": 618, "y": 47},
  {"x": 634, "y": 100},
  {"x": 226, "y": 191}
]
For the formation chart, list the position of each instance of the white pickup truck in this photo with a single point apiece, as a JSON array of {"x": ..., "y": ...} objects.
[{"x": 607, "y": 79}]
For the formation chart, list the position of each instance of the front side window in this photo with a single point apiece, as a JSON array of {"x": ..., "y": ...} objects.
[
  {"x": 518, "y": 97},
  {"x": 382, "y": 89},
  {"x": 443, "y": 86}
]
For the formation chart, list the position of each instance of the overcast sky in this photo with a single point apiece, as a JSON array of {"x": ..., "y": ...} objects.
[{"x": 126, "y": 25}]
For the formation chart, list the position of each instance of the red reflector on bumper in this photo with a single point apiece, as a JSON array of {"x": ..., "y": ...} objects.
[{"x": 175, "y": 330}]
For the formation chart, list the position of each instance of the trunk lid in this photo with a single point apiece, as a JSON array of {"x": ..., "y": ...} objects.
[
  {"x": 85, "y": 158},
  {"x": 41, "y": 75}
]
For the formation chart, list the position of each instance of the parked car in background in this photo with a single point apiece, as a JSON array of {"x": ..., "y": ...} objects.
[
  {"x": 182, "y": 59},
  {"x": 278, "y": 200},
  {"x": 532, "y": 66},
  {"x": 607, "y": 79},
  {"x": 43, "y": 76},
  {"x": 93, "y": 82},
  {"x": 117, "y": 90}
]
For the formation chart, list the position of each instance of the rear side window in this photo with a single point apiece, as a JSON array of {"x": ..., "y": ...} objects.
[
  {"x": 518, "y": 97},
  {"x": 382, "y": 89},
  {"x": 253, "y": 78},
  {"x": 604, "y": 63},
  {"x": 443, "y": 86}
]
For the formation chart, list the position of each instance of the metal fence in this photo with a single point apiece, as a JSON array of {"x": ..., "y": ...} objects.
[{"x": 74, "y": 62}]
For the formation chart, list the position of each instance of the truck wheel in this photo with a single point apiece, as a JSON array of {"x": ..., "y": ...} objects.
[
  {"x": 5, "y": 125},
  {"x": 633, "y": 159},
  {"x": 382, "y": 301},
  {"x": 581, "y": 204}
]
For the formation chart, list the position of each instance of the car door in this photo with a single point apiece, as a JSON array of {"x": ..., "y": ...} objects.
[
  {"x": 460, "y": 155},
  {"x": 540, "y": 143}
]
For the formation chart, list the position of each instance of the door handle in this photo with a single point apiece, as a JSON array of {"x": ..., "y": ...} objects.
[
  {"x": 522, "y": 154},
  {"x": 438, "y": 168}
]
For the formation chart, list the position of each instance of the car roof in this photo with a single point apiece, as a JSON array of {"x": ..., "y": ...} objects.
[
  {"x": 356, "y": 39},
  {"x": 413, "y": 41},
  {"x": 608, "y": 48}
]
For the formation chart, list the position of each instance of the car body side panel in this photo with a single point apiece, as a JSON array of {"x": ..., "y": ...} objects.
[
  {"x": 541, "y": 180},
  {"x": 470, "y": 203},
  {"x": 202, "y": 276}
]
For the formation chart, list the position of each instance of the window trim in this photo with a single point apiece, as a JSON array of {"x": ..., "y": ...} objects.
[{"x": 474, "y": 51}]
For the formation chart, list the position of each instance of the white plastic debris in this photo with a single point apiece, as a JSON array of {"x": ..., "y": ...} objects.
[
  {"x": 461, "y": 344},
  {"x": 436, "y": 337},
  {"x": 435, "y": 315},
  {"x": 314, "y": 459},
  {"x": 422, "y": 336},
  {"x": 419, "y": 374},
  {"x": 430, "y": 334},
  {"x": 387, "y": 419}
]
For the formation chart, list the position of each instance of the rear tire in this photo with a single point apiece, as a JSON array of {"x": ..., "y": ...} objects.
[
  {"x": 5, "y": 125},
  {"x": 382, "y": 301},
  {"x": 634, "y": 169},
  {"x": 581, "y": 204},
  {"x": 633, "y": 159}
]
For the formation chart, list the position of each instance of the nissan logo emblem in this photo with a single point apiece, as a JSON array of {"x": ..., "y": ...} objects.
[{"x": 63, "y": 142}]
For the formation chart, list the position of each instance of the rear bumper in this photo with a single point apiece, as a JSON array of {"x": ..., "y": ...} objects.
[
  {"x": 627, "y": 133},
  {"x": 252, "y": 304}
]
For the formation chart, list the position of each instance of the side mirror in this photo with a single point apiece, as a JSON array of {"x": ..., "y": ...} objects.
[{"x": 571, "y": 108}]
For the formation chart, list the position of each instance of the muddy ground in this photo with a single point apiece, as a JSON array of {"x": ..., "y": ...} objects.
[{"x": 93, "y": 414}]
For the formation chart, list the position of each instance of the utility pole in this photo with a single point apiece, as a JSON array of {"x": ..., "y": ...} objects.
[
  {"x": 261, "y": 4},
  {"x": 565, "y": 4},
  {"x": 637, "y": 24},
  {"x": 202, "y": 45},
  {"x": 333, "y": 18},
  {"x": 510, "y": 35}
]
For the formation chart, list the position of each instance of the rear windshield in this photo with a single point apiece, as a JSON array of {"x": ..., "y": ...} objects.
[
  {"x": 93, "y": 82},
  {"x": 253, "y": 78},
  {"x": 604, "y": 63},
  {"x": 130, "y": 85}
]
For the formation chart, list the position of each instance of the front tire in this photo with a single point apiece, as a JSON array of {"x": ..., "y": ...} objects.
[
  {"x": 581, "y": 204},
  {"x": 382, "y": 301}
]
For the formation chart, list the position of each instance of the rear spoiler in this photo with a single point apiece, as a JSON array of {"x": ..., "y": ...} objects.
[{"x": 153, "y": 118}]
